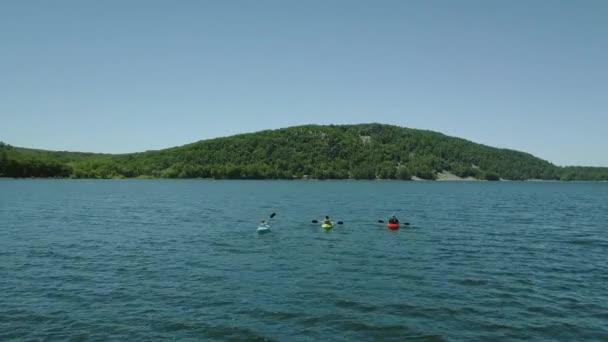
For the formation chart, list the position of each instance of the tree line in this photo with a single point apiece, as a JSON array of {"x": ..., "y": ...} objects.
[{"x": 366, "y": 151}]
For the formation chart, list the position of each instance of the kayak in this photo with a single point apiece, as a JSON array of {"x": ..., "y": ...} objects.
[
  {"x": 326, "y": 226},
  {"x": 263, "y": 229},
  {"x": 392, "y": 226}
]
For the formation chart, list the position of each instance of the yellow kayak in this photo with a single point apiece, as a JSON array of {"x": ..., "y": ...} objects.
[{"x": 326, "y": 225}]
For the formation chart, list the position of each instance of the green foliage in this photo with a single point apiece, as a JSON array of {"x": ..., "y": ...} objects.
[
  {"x": 15, "y": 164},
  {"x": 426, "y": 173},
  {"x": 366, "y": 151},
  {"x": 386, "y": 170},
  {"x": 582, "y": 173},
  {"x": 491, "y": 176},
  {"x": 404, "y": 173}
]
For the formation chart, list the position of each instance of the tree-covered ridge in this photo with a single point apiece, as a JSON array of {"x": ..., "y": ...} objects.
[
  {"x": 365, "y": 151},
  {"x": 569, "y": 173},
  {"x": 21, "y": 162}
]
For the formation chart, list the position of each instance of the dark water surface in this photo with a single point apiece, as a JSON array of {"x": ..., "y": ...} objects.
[{"x": 166, "y": 260}]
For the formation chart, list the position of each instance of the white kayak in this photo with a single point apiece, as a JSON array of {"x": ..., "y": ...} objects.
[{"x": 263, "y": 229}]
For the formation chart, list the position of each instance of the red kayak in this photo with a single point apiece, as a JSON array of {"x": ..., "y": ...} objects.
[{"x": 392, "y": 226}]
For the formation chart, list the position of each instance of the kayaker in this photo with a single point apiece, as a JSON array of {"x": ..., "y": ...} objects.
[
  {"x": 263, "y": 223},
  {"x": 393, "y": 220},
  {"x": 327, "y": 220}
]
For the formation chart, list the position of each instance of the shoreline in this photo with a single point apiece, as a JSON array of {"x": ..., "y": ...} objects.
[{"x": 413, "y": 180}]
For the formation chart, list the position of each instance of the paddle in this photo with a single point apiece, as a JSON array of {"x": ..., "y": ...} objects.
[
  {"x": 403, "y": 223},
  {"x": 268, "y": 220},
  {"x": 271, "y": 216}
]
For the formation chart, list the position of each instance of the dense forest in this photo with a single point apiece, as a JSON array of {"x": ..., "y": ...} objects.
[{"x": 365, "y": 151}]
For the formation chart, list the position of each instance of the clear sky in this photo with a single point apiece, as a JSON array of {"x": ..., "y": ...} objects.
[{"x": 127, "y": 76}]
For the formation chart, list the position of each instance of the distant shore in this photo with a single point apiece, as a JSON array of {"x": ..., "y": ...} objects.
[
  {"x": 440, "y": 178},
  {"x": 360, "y": 151}
]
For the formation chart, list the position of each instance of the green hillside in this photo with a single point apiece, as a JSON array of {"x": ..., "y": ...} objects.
[{"x": 365, "y": 151}]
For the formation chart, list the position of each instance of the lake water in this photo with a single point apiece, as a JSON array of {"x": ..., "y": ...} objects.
[{"x": 142, "y": 260}]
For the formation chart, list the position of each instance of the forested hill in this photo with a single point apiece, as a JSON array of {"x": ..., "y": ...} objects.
[{"x": 365, "y": 151}]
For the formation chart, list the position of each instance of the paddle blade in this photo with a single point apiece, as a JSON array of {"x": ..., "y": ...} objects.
[
  {"x": 380, "y": 221},
  {"x": 315, "y": 221},
  {"x": 340, "y": 222},
  {"x": 273, "y": 215},
  {"x": 406, "y": 223}
]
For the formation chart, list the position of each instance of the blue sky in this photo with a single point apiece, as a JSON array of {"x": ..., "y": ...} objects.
[{"x": 127, "y": 76}]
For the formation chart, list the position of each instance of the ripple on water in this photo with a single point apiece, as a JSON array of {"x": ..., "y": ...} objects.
[{"x": 155, "y": 260}]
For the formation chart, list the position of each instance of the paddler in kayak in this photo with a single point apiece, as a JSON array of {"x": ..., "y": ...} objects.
[
  {"x": 393, "y": 223},
  {"x": 327, "y": 222}
]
